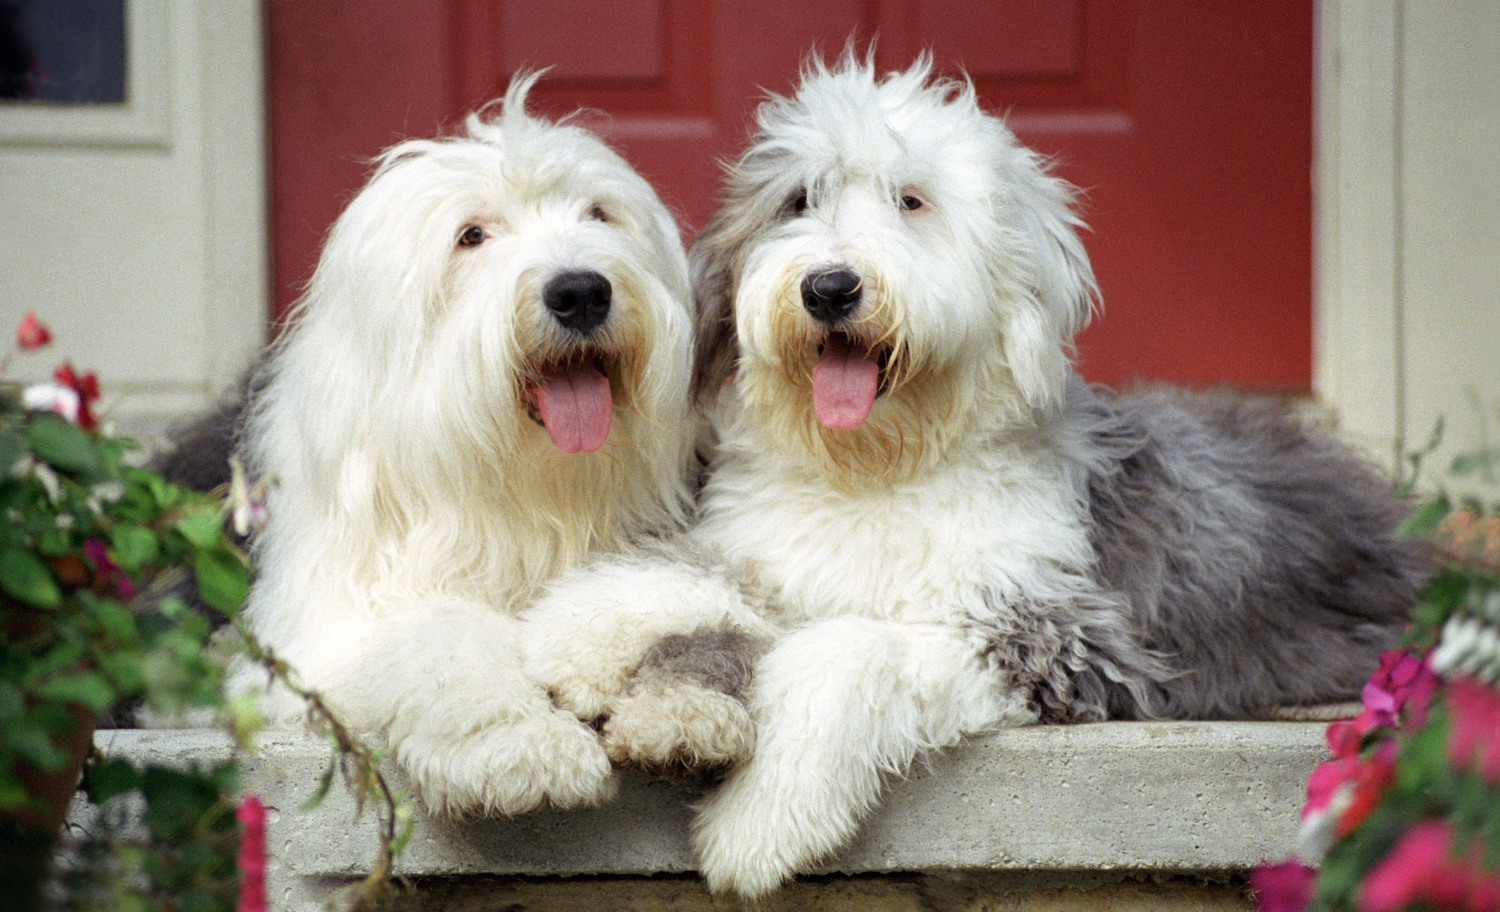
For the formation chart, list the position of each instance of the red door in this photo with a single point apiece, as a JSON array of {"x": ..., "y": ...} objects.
[{"x": 1188, "y": 126}]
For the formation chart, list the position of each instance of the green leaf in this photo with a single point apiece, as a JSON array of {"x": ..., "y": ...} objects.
[
  {"x": 89, "y": 689},
  {"x": 175, "y": 801},
  {"x": 117, "y": 623},
  {"x": 124, "y": 669},
  {"x": 36, "y": 748},
  {"x": 1426, "y": 518},
  {"x": 223, "y": 580},
  {"x": 321, "y": 792},
  {"x": 1477, "y": 461},
  {"x": 133, "y": 546},
  {"x": 204, "y": 528},
  {"x": 12, "y": 448},
  {"x": 108, "y": 778},
  {"x": 62, "y": 444},
  {"x": 24, "y": 576}
]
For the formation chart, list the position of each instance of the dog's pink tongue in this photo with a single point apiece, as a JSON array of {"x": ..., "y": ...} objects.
[
  {"x": 844, "y": 383},
  {"x": 575, "y": 407}
]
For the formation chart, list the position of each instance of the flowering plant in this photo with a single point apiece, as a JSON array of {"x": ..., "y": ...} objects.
[
  {"x": 1405, "y": 815},
  {"x": 97, "y": 556},
  {"x": 92, "y": 552}
]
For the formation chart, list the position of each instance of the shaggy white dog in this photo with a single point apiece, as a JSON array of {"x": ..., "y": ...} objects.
[
  {"x": 486, "y": 382},
  {"x": 936, "y": 527}
]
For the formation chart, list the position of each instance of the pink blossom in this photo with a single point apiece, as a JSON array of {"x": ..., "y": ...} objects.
[
  {"x": 1474, "y": 737},
  {"x": 1286, "y": 887},
  {"x": 87, "y": 388},
  {"x": 252, "y": 856},
  {"x": 1414, "y": 866},
  {"x": 1402, "y": 682},
  {"x": 30, "y": 333},
  {"x": 1324, "y": 783},
  {"x": 106, "y": 569},
  {"x": 1371, "y": 779}
]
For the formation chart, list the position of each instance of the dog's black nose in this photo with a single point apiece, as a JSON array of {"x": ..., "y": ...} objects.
[
  {"x": 830, "y": 296},
  {"x": 579, "y": 300}
]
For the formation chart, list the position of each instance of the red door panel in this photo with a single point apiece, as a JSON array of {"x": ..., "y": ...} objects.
[{"x": 1187, "y": 126}]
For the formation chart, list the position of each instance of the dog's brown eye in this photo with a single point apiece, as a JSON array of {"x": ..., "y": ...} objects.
[
  {"x": 910, "y": 203},
  {"x": 597, "y": 213},
  {"x": 472, "y": 236},
  {"x": 799, "y": 205}
]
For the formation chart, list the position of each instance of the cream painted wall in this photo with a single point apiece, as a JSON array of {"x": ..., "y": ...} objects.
[
  {"x": 138, "y": 232},
  {"x": 1408, "y": 244}
]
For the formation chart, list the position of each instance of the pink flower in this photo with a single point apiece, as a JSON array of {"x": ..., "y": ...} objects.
[
  {"x": 106, "y": 569},
  {"x": 1474, "y": 736},
  {"x": 1402, "y": 682},
  {"x": 1371, "y": 779},
  {"x": 1415, "y": 865},
  {"x": 87, "y": 388},
  {"x": 252, "y": 856},
  {"x": 1325, "y": 781},
  {"x": 1345, "y": 735},
  {"x": 1286, "y": 887},
  {"x": 30, "y": 333}
]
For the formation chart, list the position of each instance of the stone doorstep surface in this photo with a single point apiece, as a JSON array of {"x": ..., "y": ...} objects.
[{"x": 1117, "y": 796}]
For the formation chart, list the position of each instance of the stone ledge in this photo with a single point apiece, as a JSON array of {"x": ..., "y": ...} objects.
[{"x": 1162, "y": 797}]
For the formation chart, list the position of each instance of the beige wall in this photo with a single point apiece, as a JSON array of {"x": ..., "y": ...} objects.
[
  {"x": 137, "y": 232},
  {"x": 1408, "y": 191}
]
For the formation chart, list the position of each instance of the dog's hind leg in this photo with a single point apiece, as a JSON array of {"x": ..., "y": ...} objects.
[{"x": 837, "y": 704}]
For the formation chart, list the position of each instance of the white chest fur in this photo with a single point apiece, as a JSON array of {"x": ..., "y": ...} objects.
[{"x": 966, "y": 534}]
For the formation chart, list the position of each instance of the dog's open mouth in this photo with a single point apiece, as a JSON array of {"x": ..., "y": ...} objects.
[
  {"x": 846, "y": 378},
  {"x": 571, "y": 399}
]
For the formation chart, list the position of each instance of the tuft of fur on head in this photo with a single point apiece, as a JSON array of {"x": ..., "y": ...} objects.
[
  {"x": 398, "y": 418},
  {"x": 970, "y": 299}
]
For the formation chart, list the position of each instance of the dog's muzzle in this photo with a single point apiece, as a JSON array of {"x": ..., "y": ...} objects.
[
  {"x": 578, "y": 300},
  {"x": 831, "y": 295}
]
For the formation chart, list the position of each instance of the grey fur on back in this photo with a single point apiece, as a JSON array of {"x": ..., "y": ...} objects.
[
  {"x": 1253, "y": 555},
  {"x": 198, "y": 457}
]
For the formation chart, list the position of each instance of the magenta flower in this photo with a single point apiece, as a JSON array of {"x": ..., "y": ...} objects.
[
  {"x": 252, "y": 856},
  {"x": 1416, "y": 864},
  {"x": 1371, "y": 779},
  {"x": 1286, "y": 887},
  {"x": 107, "y": 570},
  {"x": 1474, "y": 738},
  {"x": 1402, "y": 682},
  {"x": 1324, "y": 783}
]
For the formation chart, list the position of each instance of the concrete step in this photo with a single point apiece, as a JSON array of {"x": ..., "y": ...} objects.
[{"x": 1074, "y": 802}]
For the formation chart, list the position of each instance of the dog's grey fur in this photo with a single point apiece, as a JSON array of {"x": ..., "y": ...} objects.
[
  {"x": 1245, "y": 562},
  {"x": 718, "y": 660},
  {"x": 1256, "y": 554}
]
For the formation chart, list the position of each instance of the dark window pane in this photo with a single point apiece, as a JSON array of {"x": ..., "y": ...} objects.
[{"x": 65, "y": 51}]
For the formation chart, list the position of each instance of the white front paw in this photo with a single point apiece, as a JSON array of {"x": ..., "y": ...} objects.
[
  {"x": 681, "y": 729},
  {"x": 548, "y": 758},
  {"x": 747, "y": 844}
]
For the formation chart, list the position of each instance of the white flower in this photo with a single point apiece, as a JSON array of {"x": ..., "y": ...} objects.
[{"x": 51, "y": 397}]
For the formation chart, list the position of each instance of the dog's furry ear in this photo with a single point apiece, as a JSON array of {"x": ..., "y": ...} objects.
[
  {"x": 712, "y": 265},
  {"x": 1039, "y": 338}
]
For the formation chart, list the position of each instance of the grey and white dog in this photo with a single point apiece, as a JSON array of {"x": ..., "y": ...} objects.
[{"x": 942, "y": 528}]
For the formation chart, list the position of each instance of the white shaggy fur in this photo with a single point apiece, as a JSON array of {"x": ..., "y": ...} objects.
[
  {"x": 947, "y": 529},
  {"x": 417, "y": 501}
]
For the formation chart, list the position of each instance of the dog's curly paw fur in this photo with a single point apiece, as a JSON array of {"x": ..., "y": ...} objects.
[
  {"x": 545, "y": 759},
  {"x": 683, "y": 730}
]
